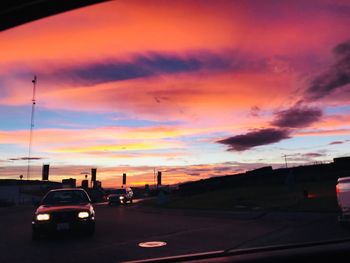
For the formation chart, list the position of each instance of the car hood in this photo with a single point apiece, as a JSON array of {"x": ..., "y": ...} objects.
[
  {"x": 63, "y": 208},
  {"x": 116, "y": 195}
]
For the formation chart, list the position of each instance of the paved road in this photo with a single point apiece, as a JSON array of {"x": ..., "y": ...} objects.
[{"x": 121, "y": 228}]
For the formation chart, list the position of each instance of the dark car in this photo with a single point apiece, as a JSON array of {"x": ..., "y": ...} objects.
[
  {"x": 64, "y": 210},
  {"x": 120, "y": 196}
]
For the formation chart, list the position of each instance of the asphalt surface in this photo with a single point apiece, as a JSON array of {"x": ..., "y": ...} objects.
[{"x": 120, "y": 229}]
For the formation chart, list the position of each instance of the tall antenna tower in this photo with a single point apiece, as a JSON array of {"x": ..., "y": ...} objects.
[{"x": 31, "y": 127}]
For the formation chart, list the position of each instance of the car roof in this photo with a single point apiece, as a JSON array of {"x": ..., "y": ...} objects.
[
  {"x": 67, "y": 189},
  {"x": 344, "y": 180}
]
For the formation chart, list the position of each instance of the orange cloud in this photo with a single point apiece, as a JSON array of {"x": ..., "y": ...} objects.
[
  {"x": 122, "y": 147},
  {"x": 118, "y": 138},
  {"x": 120, "y": 27},
  {"x": 181, "y": 97}
]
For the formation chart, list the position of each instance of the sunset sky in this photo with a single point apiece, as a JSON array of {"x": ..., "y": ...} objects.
[{"x": 194, "y": 89}]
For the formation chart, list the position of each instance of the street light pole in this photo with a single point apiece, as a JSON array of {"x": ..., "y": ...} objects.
[{"x": 285, "y": 160}]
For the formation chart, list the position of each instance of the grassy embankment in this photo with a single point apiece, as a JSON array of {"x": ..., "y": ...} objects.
[{"x": 321, "y": 198}]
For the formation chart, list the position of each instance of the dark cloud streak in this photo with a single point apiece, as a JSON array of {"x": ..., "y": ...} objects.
[
  {"x": 313, "y": 155},
  {"x": 337, "y": 142},
  {"x": 255, "y": 138},
  {"x": 148, "y": 65},
  {"x": 336, "y": 77},
  {"x": 297, "y": 117},
  {"x": 25, "y": 158},
  {"x": 140, "y": 66}
]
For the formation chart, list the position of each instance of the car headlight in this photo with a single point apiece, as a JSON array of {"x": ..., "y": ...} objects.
[
  {"x": 83, "y": 215},
  {"x": 121, "y": 197},
  {"x": 43, "y": 217}
]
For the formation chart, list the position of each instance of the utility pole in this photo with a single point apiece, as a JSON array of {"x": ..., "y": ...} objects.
[
  {"x": 31, "y": 127},
  {"x": 285, "y": 159},
  {"x": 154, "y": 177}
]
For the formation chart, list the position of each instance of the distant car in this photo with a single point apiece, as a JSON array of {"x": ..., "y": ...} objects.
[
  {"x": 343, "y": 197},
  {"x": 63, "y": 210},
  {"x": 120, "y": 196}
]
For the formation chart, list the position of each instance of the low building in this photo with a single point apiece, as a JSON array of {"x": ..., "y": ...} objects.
[{"x": 13, "y": 192}]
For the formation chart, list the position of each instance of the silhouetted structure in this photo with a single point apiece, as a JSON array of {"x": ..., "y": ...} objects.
[
  {"x": 69, "y": 183},
  {"x": 262, "y": 170},
  {"x": 97, "y": 184},
  {"x": 93, "y": 174},
  {"x": 124, "y": 179},
  {"x": 45, "y": 172},
  {"x": 85, "y": 184},
  {"x": 267, "y": 176},
  {"x": 342, "y": 161},
  {"x": 14, "y": 191},
  {"x": 159, "y": 178}
]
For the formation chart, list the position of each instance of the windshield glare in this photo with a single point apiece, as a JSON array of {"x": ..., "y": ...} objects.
[
  {"x": 118, "y": 191},
  {"x": 65, "y": 197}
]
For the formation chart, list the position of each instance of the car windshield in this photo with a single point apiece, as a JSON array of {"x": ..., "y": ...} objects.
[
  {"x": 229, "y": 120},
  {"x": 65, "y": 197},
  {"x": 118, "y": 191}
]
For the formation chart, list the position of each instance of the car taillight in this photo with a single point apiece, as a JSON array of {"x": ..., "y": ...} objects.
[{"x": 337, "y": 189}]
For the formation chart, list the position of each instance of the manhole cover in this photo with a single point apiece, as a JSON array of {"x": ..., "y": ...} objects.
[{"x": 153, "y": 244}]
